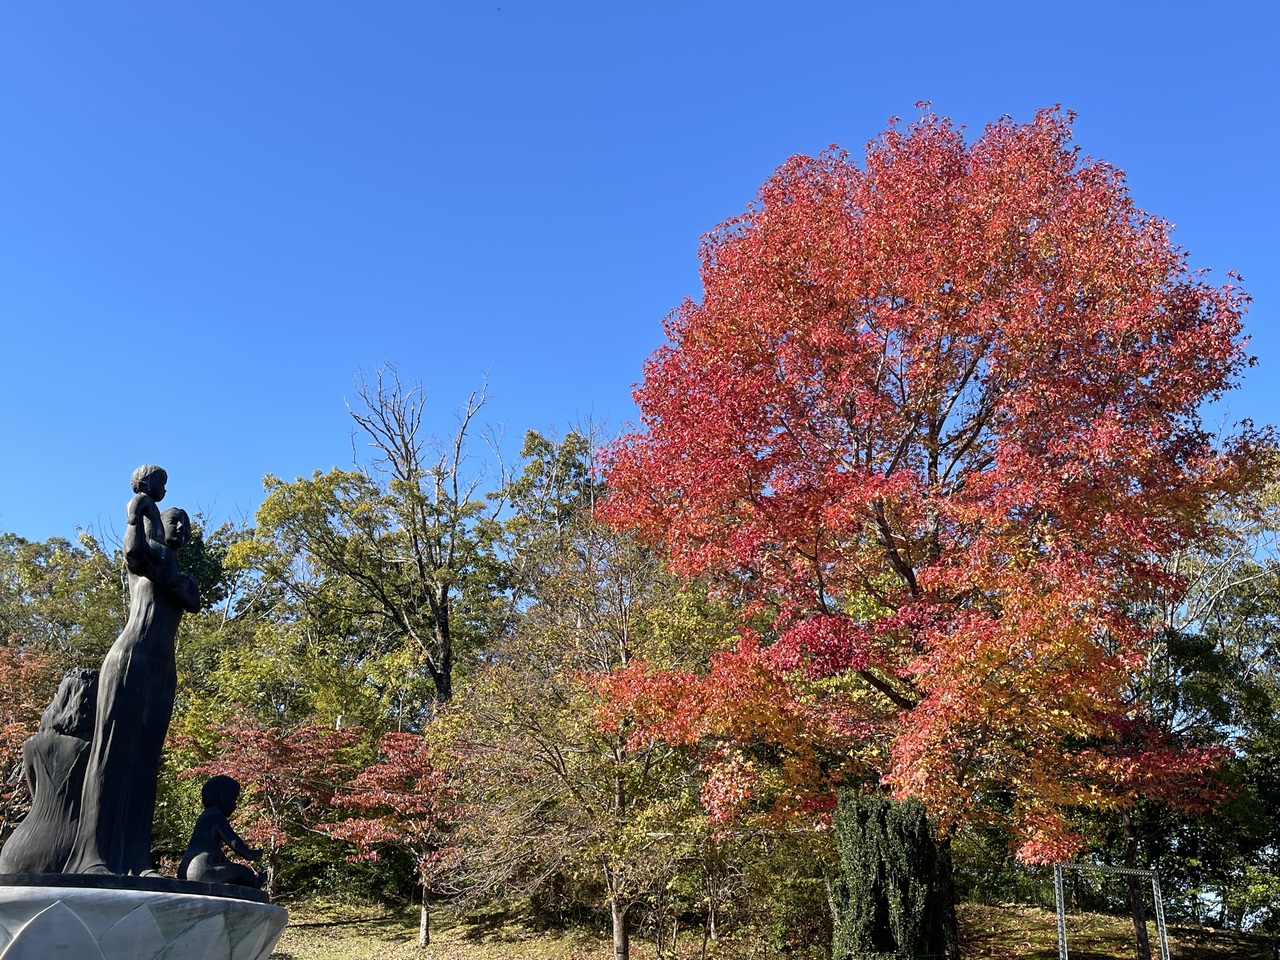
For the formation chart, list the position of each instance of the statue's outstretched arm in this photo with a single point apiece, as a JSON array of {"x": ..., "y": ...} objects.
[{"x": 232, "y": 839}]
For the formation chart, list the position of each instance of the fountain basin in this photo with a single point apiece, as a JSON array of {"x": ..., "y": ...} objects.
[{"x": 84, "y": 917}]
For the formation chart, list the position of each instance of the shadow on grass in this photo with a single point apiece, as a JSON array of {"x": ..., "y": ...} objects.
[
  {"x": 387, "y": 920},
  {"x": 1200, "y": 943},
  {"x": 500, "y": 926}
]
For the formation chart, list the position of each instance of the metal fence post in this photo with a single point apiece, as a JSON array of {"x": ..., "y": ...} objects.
[
  {"x": 1060, "y": 898},
  {"x": 1155, "y": 893}
]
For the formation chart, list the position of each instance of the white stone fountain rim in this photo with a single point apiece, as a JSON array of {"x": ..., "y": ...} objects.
[{"x": 90, "y": 881}]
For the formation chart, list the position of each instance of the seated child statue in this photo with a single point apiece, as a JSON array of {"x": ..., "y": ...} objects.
[{"x": 204, "y": 860}]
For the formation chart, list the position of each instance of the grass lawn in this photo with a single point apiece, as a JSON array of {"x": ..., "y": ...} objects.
[
  {"x": 1032, "y": 933},
  {"x": 354, "y": 933},
  {"x": 1013, "y": 932}
]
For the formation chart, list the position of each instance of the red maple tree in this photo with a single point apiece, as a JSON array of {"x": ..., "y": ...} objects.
[
  {"x": 287, "y": 779},
  {"x": 403, "y": 800},
  {"x": 935, "y": 421}
]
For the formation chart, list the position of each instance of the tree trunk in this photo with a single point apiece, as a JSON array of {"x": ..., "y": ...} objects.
[
  {"x": 621, "y": 935},
  {"x": 1137, "y": 910},
  {"x": 269, "y": 883},
  {"x": 424, "y": 919},
  {"x": 1133, "y": 886},
  {"x": 444, "y": 647},
  {"x": 947, "y": 888},
  {"x": 613, "y": 878}
]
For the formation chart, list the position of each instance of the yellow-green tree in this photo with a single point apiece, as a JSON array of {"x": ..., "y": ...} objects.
[{"x": 559, "y": 794}]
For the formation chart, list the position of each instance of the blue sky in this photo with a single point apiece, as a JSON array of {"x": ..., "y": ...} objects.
[{"x": 213, "y": 216}]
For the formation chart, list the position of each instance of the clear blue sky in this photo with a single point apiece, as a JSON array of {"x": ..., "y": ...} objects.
[{"x": 212, "y": 215}]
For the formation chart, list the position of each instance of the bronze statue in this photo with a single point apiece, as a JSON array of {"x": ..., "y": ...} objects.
[
  {"x": 53, "y": 763},
  {"x": 136, "y": 689},
  {"x": 204, "y": 859}
]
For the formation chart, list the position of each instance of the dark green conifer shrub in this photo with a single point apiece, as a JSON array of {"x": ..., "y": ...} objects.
[{"x": 887, "y": 901}]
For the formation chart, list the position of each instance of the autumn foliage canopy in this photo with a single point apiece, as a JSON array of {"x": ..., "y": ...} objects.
[
  {"x": 935, "y": 421},
  {"x": 403, "y": 800}
]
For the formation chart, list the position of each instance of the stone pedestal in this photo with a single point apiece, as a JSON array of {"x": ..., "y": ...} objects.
[{"x": 57, "y": 917}]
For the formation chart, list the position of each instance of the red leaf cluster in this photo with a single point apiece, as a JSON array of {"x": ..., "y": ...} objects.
[
  {"x": 402, "y": 799},
  {"x": 287, "y": 780}
]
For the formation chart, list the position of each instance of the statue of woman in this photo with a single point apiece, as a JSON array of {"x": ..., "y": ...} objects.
[
  {"x": 53, "y": 763},
  {"x": 136, "y": 687}
]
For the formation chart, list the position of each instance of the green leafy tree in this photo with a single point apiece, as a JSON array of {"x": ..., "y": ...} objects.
[
  {"x": 399, "y": 552},
  {"x": 556, "y": 484},
  {"x": 1213, "y": 677},
  {"x": 66, "y": 596}
]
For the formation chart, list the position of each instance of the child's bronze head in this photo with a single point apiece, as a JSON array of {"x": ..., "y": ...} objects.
[
  {"x": 221, "y": 792},
  {"x": 149, "y": 479}
]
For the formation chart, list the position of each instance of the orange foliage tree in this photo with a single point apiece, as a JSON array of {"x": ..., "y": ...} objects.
[{"x": 935, "y": 421}]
